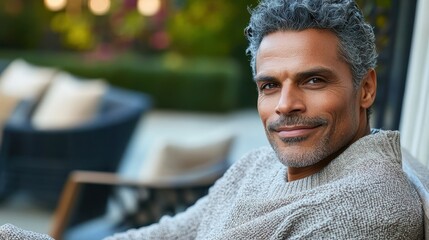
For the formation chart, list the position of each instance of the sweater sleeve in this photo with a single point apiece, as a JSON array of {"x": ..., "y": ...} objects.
[
  {"x": 182, "y": 226},
  {"x": 185, "y": 225}
]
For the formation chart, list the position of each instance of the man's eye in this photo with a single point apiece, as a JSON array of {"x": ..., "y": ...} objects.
[
  {"x": 314, "y": 80},
  {"x": 268, "y": 86}
]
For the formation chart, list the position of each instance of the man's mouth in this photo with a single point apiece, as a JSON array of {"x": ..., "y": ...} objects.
[
  {"x": 295, "y": 131},
  {"x": 296, "y": 127}
]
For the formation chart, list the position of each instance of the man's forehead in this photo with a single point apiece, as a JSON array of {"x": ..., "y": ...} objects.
[
  {"x": 309, "y": 41},
  {"x": 293, "y": 42}
]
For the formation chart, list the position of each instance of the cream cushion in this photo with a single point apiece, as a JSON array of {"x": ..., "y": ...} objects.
[
  {"x": 25, "y": 81},
  {"x": 172, "y": 160},
  {"x": 69, "y": 102}
]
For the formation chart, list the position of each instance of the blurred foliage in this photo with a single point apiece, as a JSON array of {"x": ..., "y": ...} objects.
[
  {"x": 215, "y": 28},
  {"x": 377, "y": 13},
  {"x": 183, "y": 29},
  {"x": 85, "y": 32},
  {"x": 193, "y": 27},
  {"x": 22, "y": 23},
  {"x": 186, "y": 28},
  {"x": 174, "y": 82},
  {"x": 75, "y": 29},
  {"x": 212, "y": 28}
]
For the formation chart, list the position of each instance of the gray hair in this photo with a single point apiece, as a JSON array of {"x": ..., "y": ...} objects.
[{"x": 342, "y": 17}]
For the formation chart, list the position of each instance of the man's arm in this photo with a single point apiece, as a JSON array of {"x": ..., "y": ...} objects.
[{"x": 182, "y": 226}]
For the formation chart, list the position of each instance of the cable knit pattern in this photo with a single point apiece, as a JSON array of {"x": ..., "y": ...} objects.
[
  {"x": 362, "y": 194},
  {"x": 11, "y": 232}
]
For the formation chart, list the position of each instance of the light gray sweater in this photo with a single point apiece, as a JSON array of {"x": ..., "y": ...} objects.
[{"x": 362, "y": 194}]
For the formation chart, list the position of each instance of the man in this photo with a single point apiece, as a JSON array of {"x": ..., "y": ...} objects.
[{"x": 328, "y": 175}]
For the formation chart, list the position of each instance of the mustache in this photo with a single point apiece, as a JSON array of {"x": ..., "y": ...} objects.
[{"x": 293, "y": 120}]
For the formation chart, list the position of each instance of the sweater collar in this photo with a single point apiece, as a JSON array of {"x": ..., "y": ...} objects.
[{"x": 380, "y": 145}]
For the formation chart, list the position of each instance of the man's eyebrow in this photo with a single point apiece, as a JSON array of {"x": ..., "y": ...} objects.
[
  {"x": 263, "y": 78},
  {"x": 316, "y": 71},
  {"x": 327, "y": 72}
]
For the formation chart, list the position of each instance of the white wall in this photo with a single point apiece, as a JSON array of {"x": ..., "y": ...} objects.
[{"x": 415, "y": 110}]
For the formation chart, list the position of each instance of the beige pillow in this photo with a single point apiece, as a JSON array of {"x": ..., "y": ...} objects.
[
  {"x": 173, "y": 160},
  {"x": 69, "y": 102},
  {"x": 24, "y": 80}
]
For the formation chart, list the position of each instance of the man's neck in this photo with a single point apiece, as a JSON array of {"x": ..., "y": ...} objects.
[
  {"x": 294, "y": 173},
  {"x": 303, "y": 172}
]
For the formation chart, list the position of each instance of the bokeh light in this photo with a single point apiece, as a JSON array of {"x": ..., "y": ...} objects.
[
  {"x": 55, "y": 5},
  {"x": 148, "y": 7},
  {"x": 99, "y": 7}
]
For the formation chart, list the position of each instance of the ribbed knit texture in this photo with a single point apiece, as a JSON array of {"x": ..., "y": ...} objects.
[
  {"x": 362, "y": 194},
  {"x": 11, "y": 232}
]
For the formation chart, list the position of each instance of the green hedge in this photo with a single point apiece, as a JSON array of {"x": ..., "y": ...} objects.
[{"x": 174, "y": 83}]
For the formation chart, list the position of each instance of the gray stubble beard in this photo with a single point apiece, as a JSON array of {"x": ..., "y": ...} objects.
[{"x": 305, "y": 158}]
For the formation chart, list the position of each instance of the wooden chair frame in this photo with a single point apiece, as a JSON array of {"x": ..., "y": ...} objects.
[{"x": 78, "y": 179}]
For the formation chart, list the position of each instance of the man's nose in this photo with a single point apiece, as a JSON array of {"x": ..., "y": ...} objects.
[{"x": 291, "y": 100}]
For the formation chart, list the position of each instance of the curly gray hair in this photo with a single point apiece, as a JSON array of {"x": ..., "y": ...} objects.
[{"x": 342, "y": 17}]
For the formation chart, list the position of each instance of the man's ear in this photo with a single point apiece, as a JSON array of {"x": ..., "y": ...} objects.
[{"x": 368, "y": 89}]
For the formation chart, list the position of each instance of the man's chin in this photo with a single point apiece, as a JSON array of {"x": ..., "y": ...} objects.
[
  {"x": 293, "y": 140},
  {"x": 295, "y": 154},
  {"x": 297, "y": 161}
]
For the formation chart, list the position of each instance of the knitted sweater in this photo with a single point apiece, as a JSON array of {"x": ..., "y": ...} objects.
[{"x": 362, "y": 194}]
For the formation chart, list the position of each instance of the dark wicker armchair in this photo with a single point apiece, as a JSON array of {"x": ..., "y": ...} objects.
[
  {"x": 39, "y": 161},
  {"x": 81, "y": 212}
]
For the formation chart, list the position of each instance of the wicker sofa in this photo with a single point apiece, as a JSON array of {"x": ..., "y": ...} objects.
[{"x": 39, "y": 161}]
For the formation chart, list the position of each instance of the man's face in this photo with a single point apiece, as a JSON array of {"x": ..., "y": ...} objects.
[{"x": 307, "y": 102}]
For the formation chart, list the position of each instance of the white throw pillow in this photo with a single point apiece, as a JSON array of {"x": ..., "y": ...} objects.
[
  {"x": 69, "y": 102},
  {"x": 175, "y": 160},
  {"x": 25, "y": 81}
]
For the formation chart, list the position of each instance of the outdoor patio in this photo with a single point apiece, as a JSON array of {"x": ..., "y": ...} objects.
[{"x": 156, "y": 126}]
